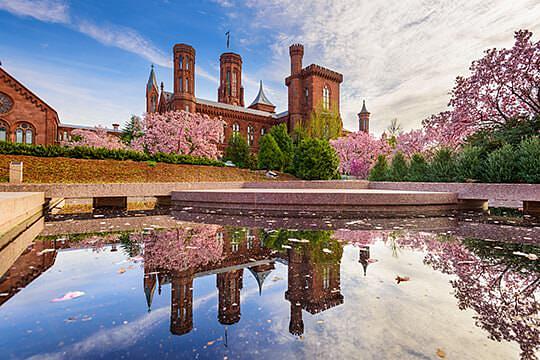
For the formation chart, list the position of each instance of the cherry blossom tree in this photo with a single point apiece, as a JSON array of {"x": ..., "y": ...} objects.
[
  {"x": 98, "y": 138},
  {"x": 504, "y": 84},
  {"x": 358, "y": 152},
  {"x": 180, "y": 132}
]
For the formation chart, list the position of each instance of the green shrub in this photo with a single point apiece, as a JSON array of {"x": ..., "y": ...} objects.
[
  {"x": 470, "y": 164},
  {"x": 442, "y": 167},
  {"x": 315, "y": 159},
  {"x": 238, "y": 151},
  {"x": 529, "y": 160},
  {"x": 83, "y": 152},
  {"x": 399, "y": 169},
  {"x": 270, "y": 155},
  {"x": 418, "y": 168},
  {"x": 501, "y": 165},
  {"x": 379, "y": 172},
  {"x": 284, "y": 142}
]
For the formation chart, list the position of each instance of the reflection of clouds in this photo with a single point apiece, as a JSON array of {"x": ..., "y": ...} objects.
[
  {"x": 382, "y": 320},
  {"x": 121, "y": 337}
]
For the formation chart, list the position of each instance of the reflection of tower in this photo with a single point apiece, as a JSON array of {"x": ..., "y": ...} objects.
[
  {"x": 364, "y": 257},
  {"x": 150, "y": 282},
  {"x": 181, "y": 303},
  {"x": 229, "y": 285},
  {"x": 294, "y": 291},
  {"x": 313, "y": 284}
]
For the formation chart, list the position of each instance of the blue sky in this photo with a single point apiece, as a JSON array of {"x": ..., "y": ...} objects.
[{"x": 90, "y": 59}]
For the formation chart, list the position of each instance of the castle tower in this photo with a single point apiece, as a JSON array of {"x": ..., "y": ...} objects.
[
  {"x": 363, "y": 119},
  {"x": 229, "y": 285},
  {"x": 152, "y": 92},
  {"x": 184, "y": 77},
  {"x": 364, "y": 257},
  {"x": 230, "y": 89},
  {"x": 294, "y": 83},
  {"x": 181, "y": 303},
  {"x": 295, "y": 290}
]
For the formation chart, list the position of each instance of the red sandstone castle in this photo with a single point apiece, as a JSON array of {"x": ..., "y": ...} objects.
[
  {"x": 308, "y": 88},
  {"x": 26, "y": 118}
]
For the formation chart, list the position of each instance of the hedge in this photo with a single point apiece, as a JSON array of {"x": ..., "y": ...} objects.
[{"x": 83, "y": 152}]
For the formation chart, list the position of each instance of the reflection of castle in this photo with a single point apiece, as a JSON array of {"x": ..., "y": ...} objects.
[
  {"x": 313, "y": 280},
  {"x": 312, "y": 285}
]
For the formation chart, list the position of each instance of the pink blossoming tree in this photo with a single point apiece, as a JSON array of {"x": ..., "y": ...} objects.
[
  {"x": 180, "y": 132},
  {"x": 97, "y": 138},
  {"x": 358, "y": 152}
]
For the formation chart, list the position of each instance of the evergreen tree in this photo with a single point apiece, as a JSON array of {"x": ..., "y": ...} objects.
[
  {"x": 285, "y": 144},
  {"x": 379, "y": 172},
  {"x": 399, "y": 170},
  {"x": 315, "y": 159},
  {"x": 501, "y": 165},
  {"x": 470, "y": 164},
  {"x": 529, "y": 160},
  {"x": 418, "y": 169},
  {"x": 270, "y": 155},
  {"x": 238, "y": 151},
  {"x": 132, "y": 130},
  {"x": 442, "y": 167}
]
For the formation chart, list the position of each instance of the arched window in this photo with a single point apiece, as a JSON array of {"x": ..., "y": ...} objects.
[
  {"x": 326, "y": 97},
  {"x": 154, "y": 103},
  {"x": 228, "y": 82},
  {"x": 24, "y": 134},
  {"x": 234, "y": 80},
  {"x": 187, "y": 85},
  {"x": 326, "y": 278},
  {"x": 250, "y": 135},
  {"x": 263, "y": 131},
  {"x": 187, "y": 63},
  {"x": 180, "y": 84},
  {"x": 4, "y": 131},
  {"x": 180, "y": 62},
  {"x": 236, "y": 129}
]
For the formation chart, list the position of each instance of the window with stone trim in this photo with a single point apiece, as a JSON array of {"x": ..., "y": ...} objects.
[
  {"x": 234, "y": 82},
  {"x": 228, "y": 83},
  {"x": 326, "y": 97},
  {"x": 4, "y": 131},
  {"x": 24, "y": 134},
  {"x": 236, "y": 129},
  {"x": 250, "y": 135},
  {"x": 180, "y": 62},
  {"x": 263, "y": 131},
  {"x": 187, "y": 85}
]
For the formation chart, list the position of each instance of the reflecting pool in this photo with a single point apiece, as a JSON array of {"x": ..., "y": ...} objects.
[{"x": 247, "y": 288}]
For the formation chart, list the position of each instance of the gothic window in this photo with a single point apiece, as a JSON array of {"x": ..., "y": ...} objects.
[
  {"x": 235, "y": 242},
  {"x": 4, "y": 131},
  {"x": 249, "y": 237},
  {"x": 180, "y": 84},
  {"x": 326, "y": 97},
  {"x": 187, "y": 63},
  {"x": 234, "y": 80},
  {"x": 263, "y": 131},
  {"x": 326, "y": 278},
  {"x": 250, "y": 135},
  {"x": 24, "y": 134},
  {"x": 236, "y": 129},
  {"x": 65, "y": 136},
  {"x": 228, "y": 83},
  {"x": 306, "y": 95},
  {"x": 187, "y": 85},
  {"x": 180, "y": 62},
  {"x": 153, "y": 106}
]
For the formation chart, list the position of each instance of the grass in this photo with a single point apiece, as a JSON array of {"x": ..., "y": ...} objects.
[{"x": 66, "y": 170}]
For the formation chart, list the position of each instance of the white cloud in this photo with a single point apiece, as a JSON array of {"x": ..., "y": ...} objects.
[
  {"x": 55, "y": 11},
  {"x": 402, "y": 56}
]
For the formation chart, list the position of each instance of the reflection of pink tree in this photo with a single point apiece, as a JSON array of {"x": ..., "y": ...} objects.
[
  {"x": 500, "y": 289},
  {"x": 182, "y": 248}
]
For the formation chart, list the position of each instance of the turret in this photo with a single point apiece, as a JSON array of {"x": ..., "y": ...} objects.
[
  {"x": 230, "y": 89},
  {"x": 184, "y": 77},
  {"x": 294, "y": 83},
  {"x": 229, "y": 285},
  {"x": 181, "y": 303},
  {"x": 363, "y": 118},
  {"x": 152, "y": 92}
]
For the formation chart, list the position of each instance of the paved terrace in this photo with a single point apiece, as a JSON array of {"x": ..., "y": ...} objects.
[{"x": 508, "y": 195}]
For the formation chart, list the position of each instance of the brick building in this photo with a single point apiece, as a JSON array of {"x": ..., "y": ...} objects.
[
  {"x": 26, "y": 118},
  {"x": 308, "y": 89}
]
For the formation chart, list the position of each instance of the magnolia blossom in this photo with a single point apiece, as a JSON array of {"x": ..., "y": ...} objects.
[
  {"x": 97, "y": 138},
  {"x": 180, "y": 132},
  {"x": 358, "y": 153}
]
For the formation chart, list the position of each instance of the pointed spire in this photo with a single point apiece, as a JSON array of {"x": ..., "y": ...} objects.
[
  {"x": 152, "y": 82},
  {"x": 259, "y": 276},
  {"x": 162, "y": 86},
  {"x": 364, "y": 258},
  {"x": 364, "y": 109},
  {"x": 261, "y": 97},
  {"x": 149, "y": 289}
]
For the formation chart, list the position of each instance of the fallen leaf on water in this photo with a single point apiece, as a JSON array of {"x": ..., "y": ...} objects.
[
  {"x": 121, "y": 270},
  {"x": 402, "y": 278},
  {"x": 210, "y": 342},
  {"x": 69, "y": 296},
  {"x": 441, "y": 353}
]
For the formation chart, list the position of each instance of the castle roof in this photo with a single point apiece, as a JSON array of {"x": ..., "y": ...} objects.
[
  {"x": 152, "y": 80},
  {"x": 234, "y": 107},
  {"x": 364, "y": 109},
  {"x": 261, "y": 97}
]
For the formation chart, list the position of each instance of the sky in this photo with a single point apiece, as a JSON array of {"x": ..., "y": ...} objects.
[{"x": 90, "y": 60}]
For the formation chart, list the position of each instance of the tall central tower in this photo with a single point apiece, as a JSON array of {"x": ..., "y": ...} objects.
[
  {"x": 294, "y": 82},
  {"x": 230, "y": 89},
  {"x": 184, "y": 77}
]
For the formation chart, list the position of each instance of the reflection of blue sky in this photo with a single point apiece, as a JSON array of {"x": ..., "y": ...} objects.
[{"x": 378, "y": 319}]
